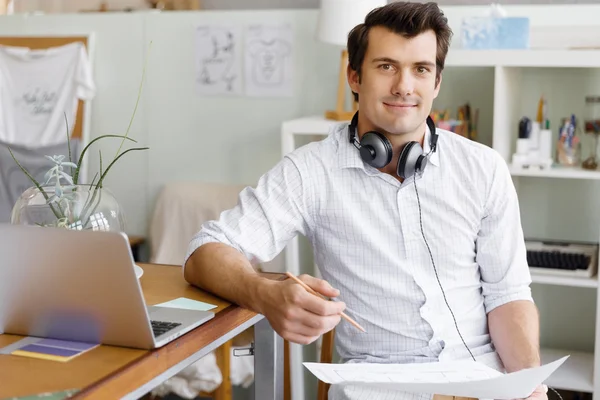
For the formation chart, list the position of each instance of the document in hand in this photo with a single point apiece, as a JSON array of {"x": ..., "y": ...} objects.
[{"x": 453, "y": 378}]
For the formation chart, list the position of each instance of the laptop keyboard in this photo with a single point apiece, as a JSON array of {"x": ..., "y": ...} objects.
[{"x": 160, "y": 327}]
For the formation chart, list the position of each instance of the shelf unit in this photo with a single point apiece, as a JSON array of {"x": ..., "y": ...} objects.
[{"x": 581, "y": 372}]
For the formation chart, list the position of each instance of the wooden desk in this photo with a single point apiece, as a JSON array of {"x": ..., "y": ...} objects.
[{"x": 110, "y": 372}]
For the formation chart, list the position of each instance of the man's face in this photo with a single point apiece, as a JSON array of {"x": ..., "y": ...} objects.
[{"x": 397, "y": 85}]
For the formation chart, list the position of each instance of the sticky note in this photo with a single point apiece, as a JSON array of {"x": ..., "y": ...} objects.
[
  {"x": 187, "y": 304},
  {"x": 52, "y": 349}
]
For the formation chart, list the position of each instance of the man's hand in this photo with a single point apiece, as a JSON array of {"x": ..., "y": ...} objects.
[
  {"x": 297, "y": 315},
  {"x": 540, "y": 393}
]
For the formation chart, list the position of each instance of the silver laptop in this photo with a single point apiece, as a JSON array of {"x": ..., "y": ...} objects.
[{"x": 81, "y": 286}]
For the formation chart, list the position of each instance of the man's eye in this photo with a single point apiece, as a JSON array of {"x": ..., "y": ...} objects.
[
  {"x": 422, "y": 70},
  {"x": 385, "y": 67}
]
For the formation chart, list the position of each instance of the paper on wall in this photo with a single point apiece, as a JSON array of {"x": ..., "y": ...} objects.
[
  {"x": 218, "y": 60},
  {"x": 268, "y": 60},
  {"x": 456, "y": 378}
]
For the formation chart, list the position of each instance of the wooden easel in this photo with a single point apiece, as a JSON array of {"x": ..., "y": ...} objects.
[
  {"x": 44, "y": 42},
  {"x": 340, "y": 113}
]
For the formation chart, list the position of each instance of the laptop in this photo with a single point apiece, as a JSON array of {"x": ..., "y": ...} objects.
[{"x": 81, "y": 286}]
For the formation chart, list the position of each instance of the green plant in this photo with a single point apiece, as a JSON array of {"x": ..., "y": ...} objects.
[{"x": 58, "y": 203}]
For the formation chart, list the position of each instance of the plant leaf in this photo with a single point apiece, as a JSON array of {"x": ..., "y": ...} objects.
[
  {"x": 32, "y": 179},
  {"x": 100, "y": 152},
  {"x": 66, "y": 177},
  {"x": 68, "y": 141},
  {"x": 76, "y": 176},
  {"x": 136, "y": 102},
  {"x": 115, "y": 160}
]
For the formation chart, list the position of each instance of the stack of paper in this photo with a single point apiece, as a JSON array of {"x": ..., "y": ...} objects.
[
  {"x": 457, "y": 378},
  {"x": 53, "y": 349}
]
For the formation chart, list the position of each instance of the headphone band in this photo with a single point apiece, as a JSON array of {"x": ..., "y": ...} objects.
[{"x": 430, "y": 124}]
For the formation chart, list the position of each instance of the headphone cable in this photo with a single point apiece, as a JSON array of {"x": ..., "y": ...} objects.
[
  {"x": 440, "y": 283},
  {"x": 435, "y": 269}
]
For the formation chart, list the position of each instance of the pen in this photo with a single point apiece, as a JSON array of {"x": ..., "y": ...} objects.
[{"x": 305, "y": 286}]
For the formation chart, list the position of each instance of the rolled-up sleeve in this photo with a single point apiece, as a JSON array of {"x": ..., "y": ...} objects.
[
  {"x": 264, "y": 219},
  {"x": 501, "y": 252}
]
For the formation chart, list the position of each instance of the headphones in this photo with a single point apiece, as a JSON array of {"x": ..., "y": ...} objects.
[{"x": 376, "y": 150}]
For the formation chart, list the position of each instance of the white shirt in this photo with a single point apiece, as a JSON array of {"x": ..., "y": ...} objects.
[
  {"x": 365, "y": 231},
  {"x": 37, "y": 89}
]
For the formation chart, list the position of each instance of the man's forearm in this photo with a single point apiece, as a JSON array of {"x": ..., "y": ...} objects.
[
  {"x": 514, "y": 328},
  {"x": 224, "y": 271}
]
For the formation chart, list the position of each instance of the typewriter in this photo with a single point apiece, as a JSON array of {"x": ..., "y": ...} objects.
[{"x": 577, "y": 260}]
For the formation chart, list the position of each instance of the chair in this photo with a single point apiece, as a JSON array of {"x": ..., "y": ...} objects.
[
  {"x": 180, "y": 210},
  {"x": 326, "y": 357}
]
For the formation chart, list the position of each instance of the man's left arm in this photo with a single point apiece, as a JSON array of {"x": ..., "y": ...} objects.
[
  {"x": 502, "y": 257},
  {"x": 515, "y": 332}
]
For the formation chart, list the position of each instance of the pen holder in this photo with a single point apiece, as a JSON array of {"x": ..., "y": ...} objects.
[
  {"x": 568, "y": 155},
  {"x": 568, "y": 148}
]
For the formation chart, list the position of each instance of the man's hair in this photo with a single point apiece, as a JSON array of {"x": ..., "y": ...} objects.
[{"x": 406, "y": 19}]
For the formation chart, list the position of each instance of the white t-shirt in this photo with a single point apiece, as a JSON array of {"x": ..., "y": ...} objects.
[{"x": 37, "y": 89}]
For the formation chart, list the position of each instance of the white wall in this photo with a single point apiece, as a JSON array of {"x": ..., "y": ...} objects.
[{"x": 190, "y": 137}]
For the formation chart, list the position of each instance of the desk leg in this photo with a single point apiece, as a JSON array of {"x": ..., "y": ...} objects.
[{"x": 268, "y": 362}]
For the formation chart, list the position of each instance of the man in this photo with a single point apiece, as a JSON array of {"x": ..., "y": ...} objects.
[{"x": 428, "y": 256}]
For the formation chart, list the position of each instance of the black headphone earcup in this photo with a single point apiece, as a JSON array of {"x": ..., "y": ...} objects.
[
  {"x": 411, "y": 160},
  {"x": 376, "y": 149}
]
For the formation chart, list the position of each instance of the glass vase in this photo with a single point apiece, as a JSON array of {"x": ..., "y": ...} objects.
[{"x": 78, "y": 207}]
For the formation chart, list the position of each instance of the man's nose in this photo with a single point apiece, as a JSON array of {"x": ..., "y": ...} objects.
[{"x": 404, "y": 85}]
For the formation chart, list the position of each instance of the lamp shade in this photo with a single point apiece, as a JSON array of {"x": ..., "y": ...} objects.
[{"x": 338, "y": 17}]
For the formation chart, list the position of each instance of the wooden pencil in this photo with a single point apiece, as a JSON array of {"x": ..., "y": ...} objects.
[{"x": 308, "y": 289}]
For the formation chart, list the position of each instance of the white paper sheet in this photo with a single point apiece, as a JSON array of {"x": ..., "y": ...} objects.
[
  {"x": 268, "y": 65},
  {"x": 459, "y": 378},
  {"x": 218, "y": 60}
]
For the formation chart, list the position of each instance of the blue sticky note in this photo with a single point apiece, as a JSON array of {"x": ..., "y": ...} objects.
[{"x": 188, "y": 304}]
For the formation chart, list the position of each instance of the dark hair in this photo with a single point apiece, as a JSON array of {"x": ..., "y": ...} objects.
[{"x": 404, "y": 18}]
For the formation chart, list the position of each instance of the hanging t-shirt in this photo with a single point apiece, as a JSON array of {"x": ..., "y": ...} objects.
[{"x": 38, "y": 88}]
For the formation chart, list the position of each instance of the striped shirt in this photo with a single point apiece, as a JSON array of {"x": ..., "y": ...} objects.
[{"x": 365, "y": 230}]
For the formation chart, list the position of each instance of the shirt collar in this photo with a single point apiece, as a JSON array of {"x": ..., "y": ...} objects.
[{"x": 349, "y": 156}]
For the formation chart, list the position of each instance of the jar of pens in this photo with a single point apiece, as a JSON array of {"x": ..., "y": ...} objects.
[
  {"x": 568, "y": 146},
  {"x": 465, "y": 123}
]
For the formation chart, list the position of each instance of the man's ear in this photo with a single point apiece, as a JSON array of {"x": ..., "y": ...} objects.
[
  {"x": 353, "y": 79},
  {"x": 437, "y": 86}
]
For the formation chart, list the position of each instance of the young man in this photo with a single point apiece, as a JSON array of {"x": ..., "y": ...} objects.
[{"x": 427, "y": 253}]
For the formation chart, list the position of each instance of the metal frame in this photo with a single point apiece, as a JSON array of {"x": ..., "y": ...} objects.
[
  {"x": 157, "y": 380},
  {"x": 268, "y": 362}
]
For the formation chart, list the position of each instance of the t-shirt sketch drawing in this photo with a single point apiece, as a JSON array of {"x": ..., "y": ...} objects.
[{"x": 268, "y": 58}]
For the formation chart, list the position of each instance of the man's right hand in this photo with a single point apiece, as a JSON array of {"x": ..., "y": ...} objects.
[{"x": 297, "y": 315}]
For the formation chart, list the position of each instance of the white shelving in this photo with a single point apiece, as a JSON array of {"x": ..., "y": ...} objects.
[
  {"x": 577, "y": 372},
  {"x": 556, "y": 172},
  {"x": 564, "y": 280},
  {"x": 524, "y": 58},
  {"x": 581, "y": 372}
]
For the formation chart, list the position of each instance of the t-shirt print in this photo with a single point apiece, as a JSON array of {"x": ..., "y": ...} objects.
[
  {"x": 38, "y": 88},
  {"x": 39, "y": 101},
  {"x": 268, "y": 61}
]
